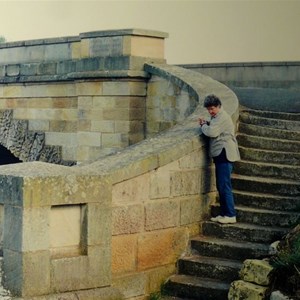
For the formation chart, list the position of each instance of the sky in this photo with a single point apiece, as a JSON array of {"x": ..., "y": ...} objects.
[{"x": 200, "y": 31}]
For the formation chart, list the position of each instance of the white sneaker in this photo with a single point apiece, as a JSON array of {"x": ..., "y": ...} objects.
[
  {"x": 227, "y": 220},
  {"x": 216, "y": 219}
]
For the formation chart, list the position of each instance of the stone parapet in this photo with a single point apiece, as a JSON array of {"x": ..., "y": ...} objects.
[
  {"x": 112, "y": 43},
  {"x": 130, "y": 214}
]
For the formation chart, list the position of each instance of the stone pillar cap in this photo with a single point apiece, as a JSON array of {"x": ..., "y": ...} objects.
[{"x": 118, "y": 32}]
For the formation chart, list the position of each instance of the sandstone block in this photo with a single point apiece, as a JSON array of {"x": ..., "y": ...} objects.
[
  {"x": 175, "y": 152},
  {"x": 123, "y": 126},
  {"x": 65, "y": 67},
  {"x": 83, "y": 153},
  {"x": 156, "y": 277},
  {"x": 61, "y": 125},
  {"x": 106, "y": 293},
  {"x": 120, "y": 114},
  {"x": 46, "y": 69},
  {"x": 130, "y": 286},
  {"x": 194, "y": 160},
  {"x": 147, "y": 47},
  {"x": 12, "y": 90},
  {"x": 61, "y": 138},
  {"x": 36, "y": 125},
  {"x": 84, "y": 48},
  {"x": 105, "y": 102},
  {"x": 12, "y": 70},
  {"x": 124, "y": 251},
  {"x": 121, "y": 88},
  {"x": 257, "y": 271},
  {"x": 127, "y": 219},
  {"x": 35, "y": 103},
  {"x": 65, "y": 230},
  {"x": 56, "y": 52},
  {"x": 131, "y": 190},
  {"x": 109, "y": 140},
  {"x": 89, "y": 88},
  {"x": 76, "y": 50},
  {"x": 65, "y": 102},
  {"x": 161, "y": 247},
  {"x": 36, "y": 279},
  {"x": 70, "y": 273},
  {"x": 28, "y": 69},
  {"x": 160, "y": 181},
  {"x": 138, "y": 166},
  {"x": 161, "y": 214},
  {"x": 99, "y": 225},
  {"x": 106, "y": 46},
  {"x": 134, "y": 138},
  {"x": 137, "y": 114},
  {"x": 90, "y": 114},
  {"x": 190, "y": 210},
  {"x": 185, "y": 183},
  {"x": 89, "y": 139},
  {"x": 82, "y": 272},
  {"x": 85, "y": 102},
  {"x": 69, "y": 154},
  {"x": 245, "y": 290},
  {"x": 103, "y": 126},
  {"x": 12, "y": 235},
  {"x": 2, "y": 71},
  {"x": 35, "y": 227}
]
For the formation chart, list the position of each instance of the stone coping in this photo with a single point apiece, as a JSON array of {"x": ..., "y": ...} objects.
[
  {"x": 242, "y": 64},
  {"x": 118, "y": 32},
  {"x": 85, "y": 35},
  {"x": 151, "y": 153}
]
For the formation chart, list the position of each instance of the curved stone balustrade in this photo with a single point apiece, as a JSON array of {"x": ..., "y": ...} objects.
[{"x": 131, "y": 214}]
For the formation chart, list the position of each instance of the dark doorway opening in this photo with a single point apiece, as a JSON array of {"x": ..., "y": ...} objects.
[{"x": 6, "y": 157}]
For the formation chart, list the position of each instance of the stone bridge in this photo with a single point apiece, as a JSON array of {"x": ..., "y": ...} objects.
[{"x": 114, "y": 178}]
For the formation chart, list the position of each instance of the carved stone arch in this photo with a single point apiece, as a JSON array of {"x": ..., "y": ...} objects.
[{"x": 24, "y": 144}]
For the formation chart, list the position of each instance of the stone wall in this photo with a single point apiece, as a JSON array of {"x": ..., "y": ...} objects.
[
  {"x": 74, "y": 99},
  {"x": 273, "y": 86},
  {"x": 126, "y": 218}
]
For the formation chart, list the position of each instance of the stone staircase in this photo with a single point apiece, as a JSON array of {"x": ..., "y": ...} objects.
[{"x": 267, "y": 196}]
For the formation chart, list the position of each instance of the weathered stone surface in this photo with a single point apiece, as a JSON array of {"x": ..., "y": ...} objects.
[
  {"x": 124, "y": 249},
  {"x": 133, "y": 190},
  {"x": 162, "y": 214},
  {"x": 127, "y": 219},
  {"x": 245, "y": 290},
  {"x": 46, "y": 185},
  {"x": 132, "y": 285},
  {"x": 161, "y": 247},
  {"x": 257, "y": 271}
]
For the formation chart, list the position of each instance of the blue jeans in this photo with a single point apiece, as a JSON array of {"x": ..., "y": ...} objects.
[{"x": 224, "y": 187}]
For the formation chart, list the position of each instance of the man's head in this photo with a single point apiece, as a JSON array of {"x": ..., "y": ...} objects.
[{"x": 213, "y": 104}]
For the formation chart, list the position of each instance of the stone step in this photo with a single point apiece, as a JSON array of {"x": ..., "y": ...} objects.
[
  {"x": 272, "y": 186},
  {"x": 164, "y": 297},
  {"x": 243, "y": 232},
  {"x": 249, "y": 118},
  {"x": 264, "y": 217},
  {"x": 270, "y": 132},
  {"x": 197, "y": 288},
  {"x": 268, "y": 156},
  {"x": 271, "y": 114},
  {"x": 261, "y": 169},
  {"x": 210, "y": 267},
  {"x": 267, "y": 201},
  {"x": 216, "y": 247},
  {"x": 250, "y": 141}
]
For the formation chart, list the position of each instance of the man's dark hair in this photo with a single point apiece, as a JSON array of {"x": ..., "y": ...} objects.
[{"x": 212, "y": 100}]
